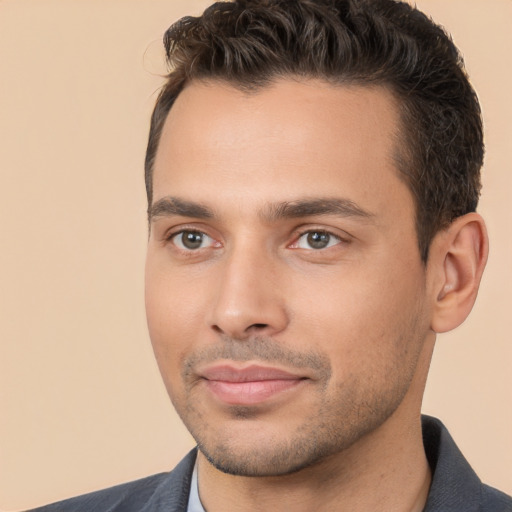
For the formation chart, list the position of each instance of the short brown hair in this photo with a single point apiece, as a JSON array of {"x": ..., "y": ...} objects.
[{"x": 250, "y": 43}]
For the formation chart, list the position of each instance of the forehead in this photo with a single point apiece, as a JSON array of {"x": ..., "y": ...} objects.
[{"x": 288, "y": 139}]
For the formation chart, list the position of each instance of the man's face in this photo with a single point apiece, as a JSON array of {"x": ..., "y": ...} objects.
[{"x": 285, "y": 294}]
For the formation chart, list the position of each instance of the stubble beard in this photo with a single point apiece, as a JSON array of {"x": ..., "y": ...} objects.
[{"x": 335, "y": 422}]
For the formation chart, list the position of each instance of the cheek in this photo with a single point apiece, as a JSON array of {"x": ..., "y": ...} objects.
[
  {"x": 172, "y": 297},
  {"x": 359, "y": 315},
  {"x": 173, "y": 315}
]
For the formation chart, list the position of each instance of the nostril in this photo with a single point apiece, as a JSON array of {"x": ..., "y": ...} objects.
[{"x": 258, "y": 326}]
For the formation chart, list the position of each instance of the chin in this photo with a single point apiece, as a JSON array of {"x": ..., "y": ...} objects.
[
  {"x": 256, "y": 451},
  {"x": 259, "y": 462}
]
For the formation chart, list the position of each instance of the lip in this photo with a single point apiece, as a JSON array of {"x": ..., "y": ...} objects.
[{"x": 249, "y": 385}]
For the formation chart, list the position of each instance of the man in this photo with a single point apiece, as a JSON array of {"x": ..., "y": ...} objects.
[{"x": 312, "y": 175}]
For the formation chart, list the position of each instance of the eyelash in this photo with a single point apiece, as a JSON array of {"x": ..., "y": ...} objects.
[
  {"x": 172, "y": 236},
  {"x": 322, "y": 232},
  {"x": 294, "y": 245}
]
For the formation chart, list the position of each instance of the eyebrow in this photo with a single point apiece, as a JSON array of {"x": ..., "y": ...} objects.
[
  {"x": 169, "y": 206},
  {"x": 319, "y": 206},
  {"x": 173, "y": 206}
]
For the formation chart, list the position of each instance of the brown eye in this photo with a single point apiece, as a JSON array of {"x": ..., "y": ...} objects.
[
  {"x": 191, "y": 240},
  {"x": 317, "y": 240}
]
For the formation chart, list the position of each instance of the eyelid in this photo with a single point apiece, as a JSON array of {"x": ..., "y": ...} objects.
[
  {"x": 172, "y": 231},
  {"x": 175, "y": 231},
  {"x": 179, "y": 241},
  {"x": 300, "y": 232}
]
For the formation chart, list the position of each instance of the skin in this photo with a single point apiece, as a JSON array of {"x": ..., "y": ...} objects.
[{"x": 247, "y": 188}]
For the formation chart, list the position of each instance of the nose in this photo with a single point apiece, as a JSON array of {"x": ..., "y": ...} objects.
[{"x": 248, "y": 300}]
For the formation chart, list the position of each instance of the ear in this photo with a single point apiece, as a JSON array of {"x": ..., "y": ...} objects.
[{"x": 459, "y": 255}]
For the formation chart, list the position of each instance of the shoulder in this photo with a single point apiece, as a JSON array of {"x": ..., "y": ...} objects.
[
  {"x": 455, "y": 486},
  {"x": 164, "y": 491},
  {"x": 494, "y": 500}
]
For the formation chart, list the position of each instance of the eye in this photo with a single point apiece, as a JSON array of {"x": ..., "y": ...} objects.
[
  {"x": 316, "y": 240},
  {"x": 191, "y": 240}
]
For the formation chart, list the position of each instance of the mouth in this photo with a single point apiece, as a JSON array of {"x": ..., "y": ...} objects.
[{"x": 249, "y": 385}]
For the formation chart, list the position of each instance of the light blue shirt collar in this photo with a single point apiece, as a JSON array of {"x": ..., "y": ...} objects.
[{"x": 194, "y": 502}]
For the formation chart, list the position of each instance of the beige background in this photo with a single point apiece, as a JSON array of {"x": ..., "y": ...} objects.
[{"x": 81, "y": 403}]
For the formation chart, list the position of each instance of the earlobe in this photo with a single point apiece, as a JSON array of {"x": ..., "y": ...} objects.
[{"x": 461, "y": 255}]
